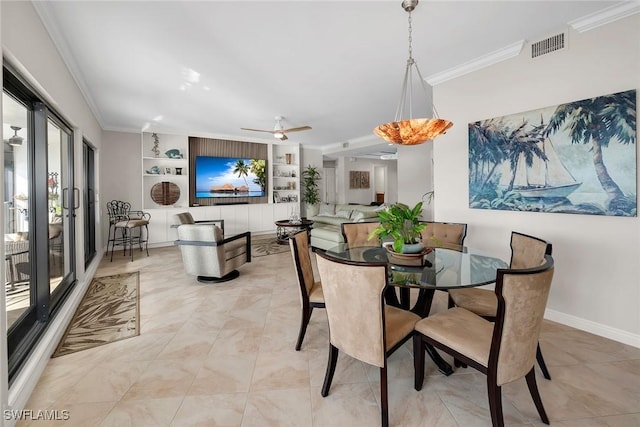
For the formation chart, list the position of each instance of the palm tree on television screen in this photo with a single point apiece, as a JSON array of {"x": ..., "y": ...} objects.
[{"x": 242, "y": 169}]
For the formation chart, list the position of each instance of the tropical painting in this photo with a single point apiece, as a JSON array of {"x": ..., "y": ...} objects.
[{"x": 578, "y": 157}]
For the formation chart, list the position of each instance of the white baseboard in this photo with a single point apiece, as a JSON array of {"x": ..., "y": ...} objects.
[
  {"x": 624, "y": 337},
  {"x": 27, "y": 379}
]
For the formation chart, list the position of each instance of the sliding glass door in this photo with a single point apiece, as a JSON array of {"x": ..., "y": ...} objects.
[
  {"x": 39, "y": 215},
  {"x": 89, "y": 170}
]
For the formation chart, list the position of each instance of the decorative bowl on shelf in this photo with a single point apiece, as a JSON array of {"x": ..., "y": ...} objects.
[
  {"x": 155, "y": 170},
  {"x": 173, "y": 154}
]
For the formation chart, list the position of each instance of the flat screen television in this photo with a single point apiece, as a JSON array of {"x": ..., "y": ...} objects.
[{"x": 229, "y": 177}]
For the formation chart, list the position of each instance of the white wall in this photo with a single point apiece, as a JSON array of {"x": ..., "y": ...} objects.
[
  {"x": 597, "y": 280},
  {"x": 415, "y": 174}
]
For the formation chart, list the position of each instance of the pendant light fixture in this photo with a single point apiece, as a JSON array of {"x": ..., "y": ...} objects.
[{"x": 411, "y": 131}]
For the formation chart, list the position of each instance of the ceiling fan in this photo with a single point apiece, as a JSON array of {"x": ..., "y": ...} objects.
[{"x": 278, "y": 131}]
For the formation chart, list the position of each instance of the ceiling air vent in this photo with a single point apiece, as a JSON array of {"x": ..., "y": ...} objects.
[{"x": 548, "y": 45}]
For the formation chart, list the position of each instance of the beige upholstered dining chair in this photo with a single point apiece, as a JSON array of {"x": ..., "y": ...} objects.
[
  {"x": 310, "y": 289},
  {"x": 443, "y": 234},
  {"x": 360, "y": 323},
  {"x": 505, "y": 350},
  {"x": 357, "y": 233},
  {"x": 209, "y": 256},
  {"x": 526, "y": 252}
]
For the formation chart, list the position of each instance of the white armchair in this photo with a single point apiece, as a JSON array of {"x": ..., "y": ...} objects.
[{"x": 209, "y": 256}]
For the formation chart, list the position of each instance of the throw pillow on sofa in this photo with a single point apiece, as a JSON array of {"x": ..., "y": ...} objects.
[
  {"x": 343, "y": 214},
  {"x": 359, "y": 216},
  {"x": 327, "y": 209}
]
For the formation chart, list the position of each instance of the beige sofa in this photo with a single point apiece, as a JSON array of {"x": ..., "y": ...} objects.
[{"x": 326, "y": 232}]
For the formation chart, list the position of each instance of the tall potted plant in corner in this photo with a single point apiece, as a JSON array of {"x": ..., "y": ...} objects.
[
  {"x": 311, "y": 195},
  {"x": 402, "y": 224}
]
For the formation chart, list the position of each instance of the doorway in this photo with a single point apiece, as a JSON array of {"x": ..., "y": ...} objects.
[
  {"x": 88, "y": 196},
  {"x": 380, "y": 183}
]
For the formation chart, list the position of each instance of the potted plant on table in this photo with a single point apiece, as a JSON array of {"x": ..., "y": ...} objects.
[
  {"x": 402, "y": 224},
  {"x": 311, "y": 196}
]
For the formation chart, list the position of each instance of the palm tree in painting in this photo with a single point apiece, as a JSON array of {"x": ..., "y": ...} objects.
[
  {"x": 598, "y": 121},
  {"x": 487, "y": 143},
  {"x": 242, "y": 169},
  {"x": 523, "y": 144}
]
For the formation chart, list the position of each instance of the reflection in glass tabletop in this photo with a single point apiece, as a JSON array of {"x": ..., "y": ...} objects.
[{"x": 440, "y": 268}]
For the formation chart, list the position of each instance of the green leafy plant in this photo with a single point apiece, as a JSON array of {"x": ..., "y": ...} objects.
[
  {"x": 401, "y": 223},
  {"x": 310, "y": 178}
]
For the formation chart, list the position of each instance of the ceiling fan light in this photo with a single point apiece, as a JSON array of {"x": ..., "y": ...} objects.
[
  {"x": 412, "y": 131},
  {"x": 278, "y": 135}
]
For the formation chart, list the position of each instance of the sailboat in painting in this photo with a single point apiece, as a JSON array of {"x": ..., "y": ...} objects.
[{"x": 543, "y": 178}]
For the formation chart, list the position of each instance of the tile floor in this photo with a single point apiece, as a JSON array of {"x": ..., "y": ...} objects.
[{"x": 223, "y": 355}]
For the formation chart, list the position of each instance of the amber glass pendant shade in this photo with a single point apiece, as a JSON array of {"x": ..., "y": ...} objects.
[{"x": 412, "y": 131}]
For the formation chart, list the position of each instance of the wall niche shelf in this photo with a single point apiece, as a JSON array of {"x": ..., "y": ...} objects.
[
  {"x": 285, "y": 173},
  {"x": 167, "y": 167}
]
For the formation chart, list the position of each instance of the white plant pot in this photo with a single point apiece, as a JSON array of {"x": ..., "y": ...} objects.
[{"x": 311, "y": 210}]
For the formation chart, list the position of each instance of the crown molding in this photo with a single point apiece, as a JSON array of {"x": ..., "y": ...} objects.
[
  {"x": 480, "y": 62},
  {"x": 43, "y": 10},
  {"x": 605, "y": 16}
]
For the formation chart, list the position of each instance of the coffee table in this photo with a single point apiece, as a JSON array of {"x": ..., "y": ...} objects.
[{"x": 285, "y": 228}]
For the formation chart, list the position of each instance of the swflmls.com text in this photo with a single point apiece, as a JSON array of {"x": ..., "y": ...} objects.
[{"x": 36, "y": 415}]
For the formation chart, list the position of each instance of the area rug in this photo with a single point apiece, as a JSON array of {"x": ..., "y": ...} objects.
[
  {"x": 262, "y": 246},
  {"x": 108, "y": 312}
]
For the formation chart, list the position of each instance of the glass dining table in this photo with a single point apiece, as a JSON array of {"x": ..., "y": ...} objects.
[{"x": 439, "y": 268}]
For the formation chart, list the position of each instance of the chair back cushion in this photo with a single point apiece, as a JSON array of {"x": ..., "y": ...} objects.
[
  {"x": 353, "y": 300},
  {"x": 522, "y": 298},
  {"x": 443, "y": 234},
  {"x": 185, "y": 218},
  {"x": 302, "y": 260},
  {"x": 202, "y": 260},
  {"x": 528, "y": 251},
  {"x": 357, "y": 234}
]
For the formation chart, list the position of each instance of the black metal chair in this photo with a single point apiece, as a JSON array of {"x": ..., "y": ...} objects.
[{"x": 126, "y": 227}]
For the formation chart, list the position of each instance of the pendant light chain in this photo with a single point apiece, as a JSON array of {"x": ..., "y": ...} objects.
[{"x": 410, "y": 39}]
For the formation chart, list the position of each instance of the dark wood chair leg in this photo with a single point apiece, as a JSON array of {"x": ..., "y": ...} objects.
[
  {"x": 459, "y": 364},
  {"x": 384, "y": 398},
  {"x": 543, "y": 366},
  {"x": 390, "y": 297},
  {"x": 535, "y": 394},
  {"x": 418, "y": 361},
  {"x": 450, "y": 304},
  {"x": 495, "y": 402},
  {"x": 331, "y": 369},
  {"x": 306, "y": 316}
]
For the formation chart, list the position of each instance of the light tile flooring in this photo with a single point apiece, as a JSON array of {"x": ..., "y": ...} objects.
[{"x": 223, "y": 355}]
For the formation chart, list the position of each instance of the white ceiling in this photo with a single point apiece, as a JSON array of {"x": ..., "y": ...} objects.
[{"x": 210, "y": 68}]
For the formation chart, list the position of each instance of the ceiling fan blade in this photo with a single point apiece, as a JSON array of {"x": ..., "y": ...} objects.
[
  {"x": 297, "y": 129},
  {"x": 260, "y": 130}
]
